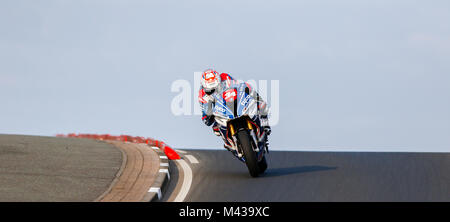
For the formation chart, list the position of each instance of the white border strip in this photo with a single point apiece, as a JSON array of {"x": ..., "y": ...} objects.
[
  {"x": 187, "y": 181},
  {"x": 165, "y": 171},
  {"x": 155, "y": 190}
]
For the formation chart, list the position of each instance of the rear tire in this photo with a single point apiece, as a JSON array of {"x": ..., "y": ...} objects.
[{"x": 250, "y": 156}]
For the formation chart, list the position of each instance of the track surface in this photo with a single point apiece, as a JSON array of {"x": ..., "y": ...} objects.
[
  {"x": 36, "y": 168},
  {"x": 72, "y": 169},
  {"x": 322, "y": 176}
]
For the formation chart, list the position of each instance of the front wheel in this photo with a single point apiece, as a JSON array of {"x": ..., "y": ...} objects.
[
  {"x": 250, "y": 156},
  {"x": 262, "y": 165}
]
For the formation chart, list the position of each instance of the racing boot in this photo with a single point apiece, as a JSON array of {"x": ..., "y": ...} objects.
[
  {"x": 216, "y": 130},
  {"x": 265, "y": 124},
  {"x": 267, "y": 130}
]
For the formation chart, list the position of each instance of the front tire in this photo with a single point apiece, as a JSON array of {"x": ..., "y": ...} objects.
[
  {"x": 250, "y": 156},
  {"x": 262, "y": 165}
]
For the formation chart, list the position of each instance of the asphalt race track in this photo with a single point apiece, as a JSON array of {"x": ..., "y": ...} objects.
[
  {"x": 72, "y": 169},
  {"x": 34, "y": 168},
  {"x": 322, "y": 176}
]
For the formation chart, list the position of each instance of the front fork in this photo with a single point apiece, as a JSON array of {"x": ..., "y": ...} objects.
[{"x": 259, "y": 145}]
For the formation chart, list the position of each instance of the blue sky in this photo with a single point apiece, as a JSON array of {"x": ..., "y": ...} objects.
[{"x": 354, "y": 75}]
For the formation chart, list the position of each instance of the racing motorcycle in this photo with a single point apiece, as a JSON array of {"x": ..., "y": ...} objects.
[{"x": 237, "y": 114}]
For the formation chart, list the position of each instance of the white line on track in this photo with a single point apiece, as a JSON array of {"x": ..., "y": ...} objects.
[
  {"x": 187, "y": 181},
  {"x": 191, "y": 158},
  {"x": 181, "y": 151}
]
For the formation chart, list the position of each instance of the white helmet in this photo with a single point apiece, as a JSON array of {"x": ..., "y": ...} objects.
[{"x": 210, "y": 80}]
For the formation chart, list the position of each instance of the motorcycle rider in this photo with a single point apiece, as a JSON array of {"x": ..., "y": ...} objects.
[{"x": 211, "y": 82}]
